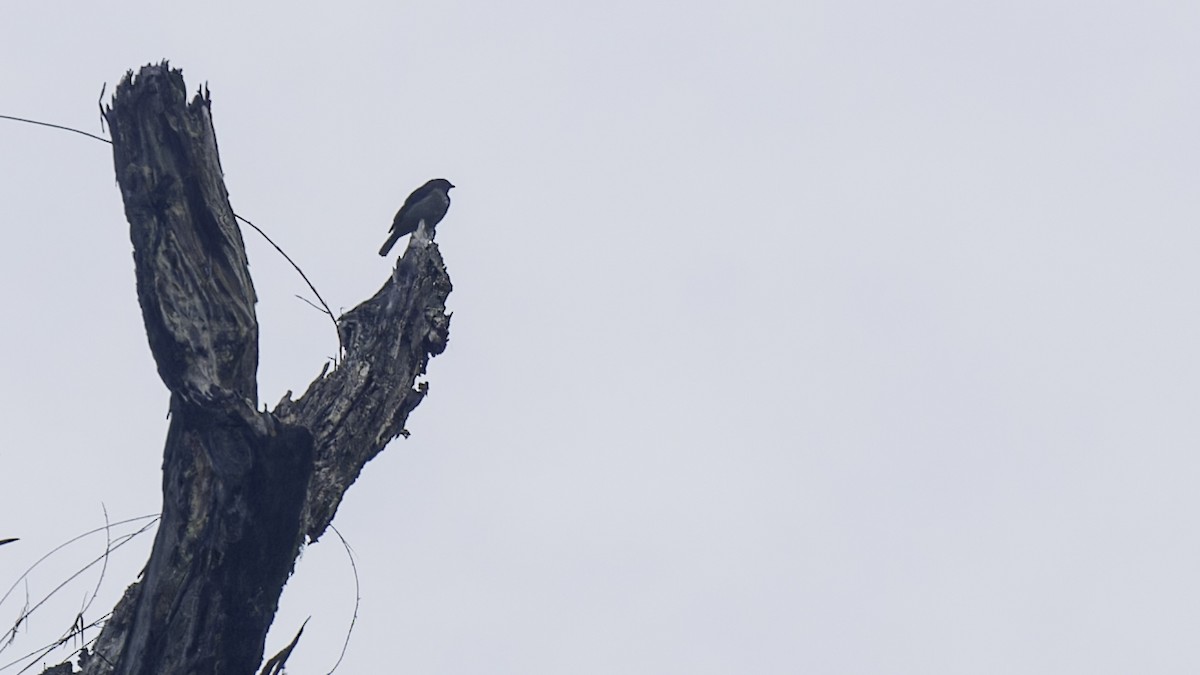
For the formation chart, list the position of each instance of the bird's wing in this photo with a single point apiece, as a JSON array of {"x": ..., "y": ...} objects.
[{"x": 417, "y": 195}]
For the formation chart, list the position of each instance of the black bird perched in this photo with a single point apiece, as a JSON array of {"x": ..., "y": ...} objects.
[{"x": 428, "y": 203}]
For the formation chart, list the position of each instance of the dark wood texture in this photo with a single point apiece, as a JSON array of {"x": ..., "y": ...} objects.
[{"x": 241, "y": 487}]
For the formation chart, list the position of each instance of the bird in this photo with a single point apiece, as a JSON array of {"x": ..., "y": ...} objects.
[
  {"x": 7, "y": 541},
  {"x": 427, "y": 203}
]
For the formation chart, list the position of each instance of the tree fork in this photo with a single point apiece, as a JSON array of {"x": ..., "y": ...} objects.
[{"x": 242, "y": 488}]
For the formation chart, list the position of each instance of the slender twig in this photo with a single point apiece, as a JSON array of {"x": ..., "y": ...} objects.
[
  {"x": 55, "y": 126},
  {"x": 67, "y": 543},
  {"x": 125, "y": 540},
  {"x": 308, "y": 302},
  {"x": 22, "y": 617},
  {"x": 108, "y": 547},
  {"x": 100, "y": 104},
  {"x": 357, "y": 597},
  {"x": 327, "y": 311},
  {"x": 303, "y": 276},
  {"x": 76, "y": 629},
  {"x": 42, "y": 651},
  {"x": 30, "y": 610}
]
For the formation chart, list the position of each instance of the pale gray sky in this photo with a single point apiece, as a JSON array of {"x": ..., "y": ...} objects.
[{"x": 793, "y": 337}]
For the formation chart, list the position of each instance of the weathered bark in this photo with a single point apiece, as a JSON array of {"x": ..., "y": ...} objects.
[{"x": 241, "y": 488}]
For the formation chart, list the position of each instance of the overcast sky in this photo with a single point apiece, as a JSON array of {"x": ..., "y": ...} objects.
[{"x": 792, "y": 337}]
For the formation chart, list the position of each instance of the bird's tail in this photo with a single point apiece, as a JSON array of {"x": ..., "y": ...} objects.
[{"x": 387, "y": 245}]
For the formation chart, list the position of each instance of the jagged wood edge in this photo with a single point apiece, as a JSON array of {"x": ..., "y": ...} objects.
[
  {"x": 352, "y": 412},
  {"x": 355, "y": 410}
]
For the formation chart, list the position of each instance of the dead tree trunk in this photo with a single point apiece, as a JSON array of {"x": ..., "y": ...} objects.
[{"x": 242, "y": 488}]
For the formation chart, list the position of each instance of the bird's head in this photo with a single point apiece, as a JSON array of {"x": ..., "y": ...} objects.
[{"x": 440, "y": 184}]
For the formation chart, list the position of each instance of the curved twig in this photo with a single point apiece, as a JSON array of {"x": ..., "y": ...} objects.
[
  {"x": 124, "y": 540},
  {"x": 41, "y": 652},
  {"x": 67, "y": 543},
  {"x": 55, "y": 126},
  {"x": 108, "y": 548},
  {"x": 357, "y": 598},
  {"x": 303, "y": 276}
]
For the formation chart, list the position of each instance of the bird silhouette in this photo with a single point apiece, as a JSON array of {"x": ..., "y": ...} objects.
[{"x": 427, "y": 203}]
